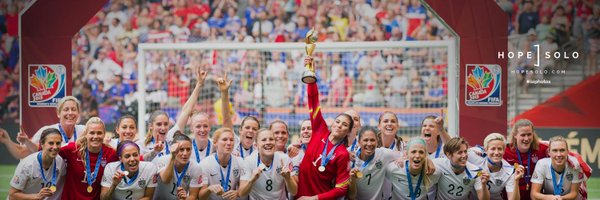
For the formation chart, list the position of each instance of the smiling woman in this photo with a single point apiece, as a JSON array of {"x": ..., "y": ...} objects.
[
  {"x": 27, "y": 184},
  {"x": 67, "y": 111},
  {"x": 86, "y": 160},
  {"x": 128, "y": 178}
]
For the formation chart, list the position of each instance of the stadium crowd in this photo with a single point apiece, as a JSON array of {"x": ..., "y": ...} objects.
[{"x": 105, "y": 58}]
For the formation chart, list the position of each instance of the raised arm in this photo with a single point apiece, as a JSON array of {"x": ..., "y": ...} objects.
[
  {"x": 187, "y": 108},
  {"x": 440, "y": 124},
  {"x": 316, "y": 117},
  {"x": 16, "y": 150},
  {"x": 224, "y": 84}
]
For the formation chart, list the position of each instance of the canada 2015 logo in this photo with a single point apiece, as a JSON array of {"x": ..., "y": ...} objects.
[
  {"x": 47, "y": 84},
  {"x": 483, "y": 83}
]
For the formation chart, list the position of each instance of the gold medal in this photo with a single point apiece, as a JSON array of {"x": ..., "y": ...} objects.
[
  {"x": 479, "y": 173},
  {"x": 516, "y": 166},
  {"x": 359, "y": 174},
  {"x": 90, "y": 189},
  {"x": 321, "y": 168},
  {"x": 53, "y": 188}
]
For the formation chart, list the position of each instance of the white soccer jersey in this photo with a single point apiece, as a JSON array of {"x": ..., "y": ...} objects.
[
  {"x": 439, "y": 151},
  {"x": 191, "y": 179},
  {"x": 543, "y": 175},
  {"x": 146, "y": 148},
  {"x": 296, "y": 162},
  {"x": 78, "y": 132},
  {"x": 28, "y": 175},
  {"x": 270, "y": 184},
  {"x": 371, "y": 185},
  {"x": 212, "y": 172},
  {"x": 131, "y": 189},
  {"x": 199, "y": 155},
  {"x": 451, "y": 185},
  {"x": 396, "y": 175},
  {"x": 242, "y": 152},
  {"x": 500, "y": 180}
]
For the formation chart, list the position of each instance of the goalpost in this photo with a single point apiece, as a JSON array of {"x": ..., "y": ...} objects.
[{"x": 410, "y": 78}]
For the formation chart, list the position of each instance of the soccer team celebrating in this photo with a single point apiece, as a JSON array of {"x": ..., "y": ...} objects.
[{"x": 339, "y": 161}]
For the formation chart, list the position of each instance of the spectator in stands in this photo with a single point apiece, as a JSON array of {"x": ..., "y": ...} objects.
[
  {"x": 115, "y": 13},
  {"x": 528, "y": 18},
  {"x": 592, "y": 32},
  {"x": 117, "y": 92},
  {"x": 397, "y": 88},
  {"x": 180, "y": 32},
  {"x": 115, "y": 29},
  {"x": 544, "y": 28},
  {"x": 106, "y": 68},
  {"x": 433, "y": 96},
  {"x": 233, "y": 23},
  {"x": 525, "y": 64},
  {"x": 547, "y": 45},
  {"x": 415, "y": 90},
  {"x": 561, "y": 25},
  {"x": 301, "y": 30},
  {"x": 89, "y": 105},
  {"x": 262, "y": 27},
  {"x": 341, "y": 88},
  {"x": 218, "y": 22}
]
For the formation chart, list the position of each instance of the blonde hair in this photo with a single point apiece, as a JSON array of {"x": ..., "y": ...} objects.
[
  {"x": 81, "y": 142},
  {"x": 261, "y": 131},
  {"x": 557, "y": 139},
  {"x": 535, "y": 143},
  {"x": 411, "y": 143},
  {"x": 62, "y": 101},
  {"x": 492, "y": 137},
  {"x": 217, "y": 134}
]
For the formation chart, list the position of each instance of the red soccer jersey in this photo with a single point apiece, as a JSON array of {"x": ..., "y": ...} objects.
[
  {"x": 76, "y": 180},
  {"x": 510, "y": 155},
  {"x": 333, "y": 182}
]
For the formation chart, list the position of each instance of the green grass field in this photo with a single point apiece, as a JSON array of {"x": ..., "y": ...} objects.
[{"x": 6, "y": 173}]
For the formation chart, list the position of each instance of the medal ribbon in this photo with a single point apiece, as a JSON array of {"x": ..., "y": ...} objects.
[
  {"x": 91, "y": 177},
  {"x": 224, "y": 182},
  {"x": 326, "y": 158},
  {"x": 39, "y": 158},
  {"x": 557, "y": 187},
  {"x": 413, "y": 192}
]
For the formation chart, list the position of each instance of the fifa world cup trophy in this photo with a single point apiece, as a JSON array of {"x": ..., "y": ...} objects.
[{"x": 309, "y": 75}]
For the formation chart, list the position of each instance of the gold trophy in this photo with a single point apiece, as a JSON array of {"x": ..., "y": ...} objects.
[{"x": 309, "y": 76}]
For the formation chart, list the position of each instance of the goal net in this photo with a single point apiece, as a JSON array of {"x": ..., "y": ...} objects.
[{"x": 410, "y": 78}]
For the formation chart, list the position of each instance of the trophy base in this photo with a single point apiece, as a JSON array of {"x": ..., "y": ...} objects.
[{"x": 309, "y": 77}]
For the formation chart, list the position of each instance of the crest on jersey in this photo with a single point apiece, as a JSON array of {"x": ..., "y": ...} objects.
[
  {"x": 278, "y": 169},
  {"x": 569, "y": 177},
  {"x": 200, "y": 180},
  {"x": 16, "y": 180},
  {"x": 186, "y": 178},
  {"x": 466, "y": 181},
  {"x": 142, "y": 183},
  {"x": 236, "y": 172},
  {"x": 296, "y": 169},
  {"x": 499, "y": 182},
  {"x": 378, "y": 164},
  {"x": 103, "y": 162},
  {"x": 534, "y": 158}
]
